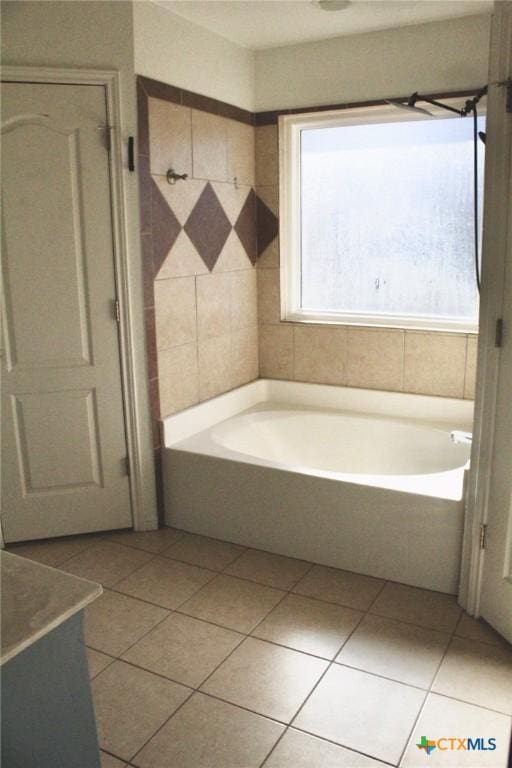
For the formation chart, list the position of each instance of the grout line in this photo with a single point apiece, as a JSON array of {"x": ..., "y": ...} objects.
[
  {"x": 272, "y": 749},
  {"x": 381, "y": 590},
  {"x": 411, "y": 623},
  {"x": 119, "y": 658},
  {"x": 245, "y": 635},
  {"x": 402, "y": 377},
  {"x": 381, "y": 676},
  {"x": 149, "y": 552},
  {"x": 129, "y": 575},
  {"x": 326, "y": 670},
  {"x": 248, "y": 635},
  {"x": 240, "y": 554},
  {"x": 465, "y": 368},
  {"x": 343, "y": 746},
  {"x": 469, "y": 703},
  {"x": 291, "y": 591},
  {"x": 112, "y": 754},
  {"x": 95, "y": 539},
  {"x": 241, "y": 706},
  {"x": 105, "y": 537},
  {"x": 160, "y": 675},
  {"x": 429, "y": 692},
  {"x": 134, "y": 756}
]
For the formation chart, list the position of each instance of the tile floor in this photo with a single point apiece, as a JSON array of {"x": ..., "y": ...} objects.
[{"x": 205, "y": 654}]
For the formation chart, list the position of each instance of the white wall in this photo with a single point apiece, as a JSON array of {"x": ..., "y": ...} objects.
[
  {"x": 70, "y": 34},
  {"x": 175, "y": 51},
  {"x": 438, "y": 56}
]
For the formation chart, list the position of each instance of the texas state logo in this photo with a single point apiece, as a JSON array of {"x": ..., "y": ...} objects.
[
  {"x": 456, "y": 744},
  {"x": 427, "y": 744}
]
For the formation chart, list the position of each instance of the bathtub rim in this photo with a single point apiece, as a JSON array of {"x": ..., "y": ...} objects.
[{"x": 422, "y": 408}]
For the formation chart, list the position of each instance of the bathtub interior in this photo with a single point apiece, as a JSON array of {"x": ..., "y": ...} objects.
[{"x": 347, "y": 439}]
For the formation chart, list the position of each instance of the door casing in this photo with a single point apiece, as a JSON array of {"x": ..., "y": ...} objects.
[{"x": 128, "y": 279}]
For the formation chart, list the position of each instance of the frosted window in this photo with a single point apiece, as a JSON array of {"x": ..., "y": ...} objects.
[{"x": 387, "y": 219}]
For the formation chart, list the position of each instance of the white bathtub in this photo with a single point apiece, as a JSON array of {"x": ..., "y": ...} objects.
[{"x": 356, "y": 479}]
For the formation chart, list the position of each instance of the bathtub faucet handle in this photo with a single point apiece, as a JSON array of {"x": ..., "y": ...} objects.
[{"x": 458, "y": 436}]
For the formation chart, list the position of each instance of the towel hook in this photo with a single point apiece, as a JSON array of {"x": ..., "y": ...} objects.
[{"x": 173, "y": 177}]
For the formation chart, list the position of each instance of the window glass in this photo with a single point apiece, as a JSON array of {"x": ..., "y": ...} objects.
[{"x": 386, "y": 215}]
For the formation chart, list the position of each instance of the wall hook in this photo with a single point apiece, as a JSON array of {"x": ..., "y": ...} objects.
[
  {"x": 235, "y": 182},
  {"x": 173, "y": 177}
]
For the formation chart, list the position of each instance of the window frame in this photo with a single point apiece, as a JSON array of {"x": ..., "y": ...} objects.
[{"x": 289, "y": 131}]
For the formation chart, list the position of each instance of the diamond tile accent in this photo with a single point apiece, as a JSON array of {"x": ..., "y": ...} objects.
[
  {"x": 231, "y": 198},
  {"x": 245, "y": 226},
  {"x": 267, "y": 225},
  {"x": 208, "y": 227},
  {"x": 166, "y": 227},
  {"x": 182, "y": 197},
  {"x": 182, "y": 260}
]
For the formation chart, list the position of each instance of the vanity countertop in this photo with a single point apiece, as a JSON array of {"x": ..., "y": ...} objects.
[{"x": 35, "y": 600}]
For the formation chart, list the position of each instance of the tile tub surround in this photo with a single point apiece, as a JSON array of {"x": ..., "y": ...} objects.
[
  {"x": 212, "y": 320},
  {"x": 199, "y": 248},
  {"x": 430, "y": 363},
  {"x": 199, "y": 244},
  {"x": 326, "y": 674}
]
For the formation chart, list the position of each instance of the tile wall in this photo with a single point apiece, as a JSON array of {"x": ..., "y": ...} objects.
[
  {"x": 199, "y": 246},
  {"x": 405, "y": 361},
  {"x": 210, "y": 248}
]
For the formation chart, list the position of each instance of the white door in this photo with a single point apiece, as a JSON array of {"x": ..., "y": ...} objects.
[
  {"x": 63, "y": 435},
  {"x": 496, "y": 594},
  {"x": 496, "y": 584}
]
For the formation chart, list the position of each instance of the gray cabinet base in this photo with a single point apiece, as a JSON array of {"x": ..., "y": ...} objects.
[{"x": 47, "y": 711}]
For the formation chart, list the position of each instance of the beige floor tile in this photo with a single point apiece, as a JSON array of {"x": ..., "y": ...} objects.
[
  {"x": 97, "y": 662},
  {"x": 309, "y": 625},
  {"x": 107, "y": 761},
  {"x": 207, "y": 733},
  {"x": 267, "y": 568},
  {"x": 149, "y": 541},
  {"x": 106, "y": 562},
  {"x": 208, "y": 553},
  {"x": 165, "y": 582},
  {"x": 478, "y": 629},
  {"x": 266, "y": 679},
  {"x": 478, "y": 673},
  {"x": 446, "y": 717},
  {"x": 233, "y": 603},
  {"x": 114, "y": 622},
  {"x": 300, "y": 750},
  {"x": 362, "y": 712},
  {"x": 130, "y": 705},
  {"x": 54, "y": 552},
  {"x": 392, "y": 649},
  {"x": 432, "y": 610},
  {"x": 341, "y": 587},
  {"x": 185, "y": 649}
]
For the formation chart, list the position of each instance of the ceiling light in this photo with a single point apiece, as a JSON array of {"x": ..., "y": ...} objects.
[{"x": 331, "y": 5}]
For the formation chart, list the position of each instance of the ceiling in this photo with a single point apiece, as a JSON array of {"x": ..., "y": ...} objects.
[{"x": 260, "y": 24}]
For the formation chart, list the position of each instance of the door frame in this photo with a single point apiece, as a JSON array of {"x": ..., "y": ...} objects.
[
  {"x": 128, "y": 282},
  {"x": 497, "y": 233}
]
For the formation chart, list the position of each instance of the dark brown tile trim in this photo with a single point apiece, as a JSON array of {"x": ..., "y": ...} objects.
[
  {"x": 223, "y": 109},
  {"x": 145, "y": 192},
  {"x": 159, "y": 90},
  {"x": 270, "y": 117},
  {"x": 193, "y": 100}
]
